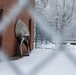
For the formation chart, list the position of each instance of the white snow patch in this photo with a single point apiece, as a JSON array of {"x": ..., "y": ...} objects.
[
  {"x": 60, "y": 65},
  {"x": 48, "y": 46},
  {"x": 71, "y": 48}
]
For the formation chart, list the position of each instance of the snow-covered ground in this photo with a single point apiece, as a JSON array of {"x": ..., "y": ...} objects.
[{"x": 44, "y": 62}]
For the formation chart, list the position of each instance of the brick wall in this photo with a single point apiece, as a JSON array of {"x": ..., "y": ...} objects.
[{"x": 9, "y": 42}]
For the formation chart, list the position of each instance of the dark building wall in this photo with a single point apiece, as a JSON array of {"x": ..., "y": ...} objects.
[{"x": 9, "y": 42}]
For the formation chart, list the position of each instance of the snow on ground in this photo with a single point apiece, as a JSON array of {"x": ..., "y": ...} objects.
[
  {"x": 71, "y": 48},
  {"x": 48, "y": 46},
  {"x": 59, "y": 65}
]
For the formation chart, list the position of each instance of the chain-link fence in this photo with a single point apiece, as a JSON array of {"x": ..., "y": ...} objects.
[{"x": 48, "y": 31}]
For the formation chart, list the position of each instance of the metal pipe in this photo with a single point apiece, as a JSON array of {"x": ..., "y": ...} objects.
[
  {"x": 21, "y": 46},
  {"x": 22, "y": 35}
]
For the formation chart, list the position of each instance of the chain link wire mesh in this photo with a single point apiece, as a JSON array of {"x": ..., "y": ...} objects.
[{"x": 51, "y": 33}]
